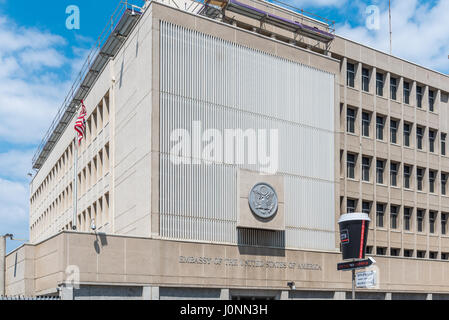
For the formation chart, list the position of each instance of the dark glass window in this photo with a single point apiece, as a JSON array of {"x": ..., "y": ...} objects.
[
  {"x": 351, "y": 205},
  {"x": 432, "y": 136},
  {"x": 366, "y": 119},
  {"x": 443, "y": 144},
  {"x": 419, "y": 178},
  {"x": 380, "y": 128},
  {"x": 406, "y": 92},
  {"x": 407, "y": 174},
  {"x": 350, "y": 74},
  {"x": 420, "y": 254},
  {"x": 419, "y": 94},
  {"x": 393, "y": 131},
  {"x": 351, "y": 166},
  {"x": 432, "y": 177},
  {"x": 444, "y": 223},
  {"x": 420, "y": 220},
  {"x": 380, "y": 211},
  {"x": 443, "y": 183},
  {"x": 395, "y": 252},
  {"x": 432, "y": 219},
  {"x": 419, "y": 137},
  {"x": 407, "y": 218},
  {"x": 365, "y": 168},
  {"x": 365, "y": 80},
  {"x": 394, "y": 174},
  {"x": 379, "y": 84},
  {"x": 407, "y": 130},
  {"x": 394, "y": 211},
  {"x": 381, "y": 251},
  {"x": 393, "y": 88},
  {"x": 350, "y": 118},
  {"x": 408, "y": 253},
  {"x": 366, "y": 207},
  {"x": 431, "y": 100},
  {"x": 380, "y": 171}
]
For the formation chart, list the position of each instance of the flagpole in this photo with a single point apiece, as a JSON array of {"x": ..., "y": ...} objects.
[{"x": 75, "y": 187}]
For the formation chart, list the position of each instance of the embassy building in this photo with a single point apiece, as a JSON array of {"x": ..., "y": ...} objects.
[{"x": 165, "y": 211}]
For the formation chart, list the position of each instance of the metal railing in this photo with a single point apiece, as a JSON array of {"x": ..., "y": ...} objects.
[{"x": 113, "y": 20}]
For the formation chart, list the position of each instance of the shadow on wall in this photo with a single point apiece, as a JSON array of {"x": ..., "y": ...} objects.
[
  {"x": 101, "y": 240},
  {"x": 261, "y": 242}
]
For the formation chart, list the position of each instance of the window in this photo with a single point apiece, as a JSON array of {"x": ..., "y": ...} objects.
[
  {"x": 407, "y": 174},
  {"x": 393, "y": 88},
  {"x": 433, "y": 255},
  {"x": 419, "y": 178},
  {"x": 432, "y": 218},
  {"x": 419, "y": 137},
  {"x": 393, "y": 131},
  {"x": 443, "y": 144},
  {"x": 408, "y": 253},
  {"x": 366, "y": 207},
  {"x": 379, "y": 84},
  {"x": 443, "y": 183},
  {"x": 420, "y": 254},
  {"x": 365, "y": 80},
  {"x": 394, "y": 174},
  {"x": 369, "y": 249},
  {"x": 351, "y": 205},
  {"x": 407, "y": 130},
  {"x": 379, "y": 128},
  {"x": 407, "y": 218},
  {"x": 432, "y": 135},
  {"x": 381, "y": 251},
  {"x": 444, "y": 223},
  {"x": 395, "y": 252},
  {"x": 444, "y": 256},
  {"x": 380, "y": 171},
  {"x": 406, "y": 92},
  {"x": 350, "y": 74},
  {"x": 366, "y": 119},
  {"x": 419, "y": 94},
  {"x": 431, "y": 100},
  {"x": 351, "y": 165},
  {"x": 380, "y": 211},
  {"x": 394, "y": 211},
  {"x": 350, "y": 119},
  {"x": 365, "y": 168},
  {"x": 420, "y": 220},
  {"x": 432, "y": 176}
]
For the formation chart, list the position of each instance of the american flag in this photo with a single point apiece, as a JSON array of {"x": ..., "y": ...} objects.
[{"x": 80, "y": 124}]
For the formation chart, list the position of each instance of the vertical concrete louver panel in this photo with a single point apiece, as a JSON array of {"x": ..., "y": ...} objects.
[{"x": 228, "y": 86}]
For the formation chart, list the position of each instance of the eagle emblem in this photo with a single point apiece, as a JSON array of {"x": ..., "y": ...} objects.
[{"x": 263, "y": 201}]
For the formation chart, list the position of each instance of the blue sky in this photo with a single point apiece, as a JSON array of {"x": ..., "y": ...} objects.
[{"x": 39, "y": 58}]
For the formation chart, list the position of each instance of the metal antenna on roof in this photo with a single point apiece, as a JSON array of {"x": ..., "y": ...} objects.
[{"x": 391, "y": 32}]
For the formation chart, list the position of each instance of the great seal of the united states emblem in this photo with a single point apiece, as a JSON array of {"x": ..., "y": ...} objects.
[{"x": 263, "y": 201}]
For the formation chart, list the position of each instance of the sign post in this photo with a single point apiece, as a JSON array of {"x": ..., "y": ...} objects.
[{"x": 353, "y": 237}]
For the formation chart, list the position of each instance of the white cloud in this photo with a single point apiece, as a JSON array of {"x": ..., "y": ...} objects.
[
  {"x": 33, "y": 83},
  {"x": 420, "y": 32},
  {"x": 15, "y": 164}
]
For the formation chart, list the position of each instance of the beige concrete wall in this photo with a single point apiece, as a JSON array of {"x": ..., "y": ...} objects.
[
  {"x": 131, "y": 149},
  {"x": 119, "y": 260}
]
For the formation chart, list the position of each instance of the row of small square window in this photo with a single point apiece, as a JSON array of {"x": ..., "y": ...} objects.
[
  {"x": 394, "y": 171},
  {"x": 394, "y": 83},
  {"x": 351, "y": 206},
  {"x": 394, "y": 127},
  {"x": 396, "y": 252}
]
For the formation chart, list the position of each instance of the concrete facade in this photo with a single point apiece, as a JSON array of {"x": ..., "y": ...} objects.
[{"x": 137, "y": 253}]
